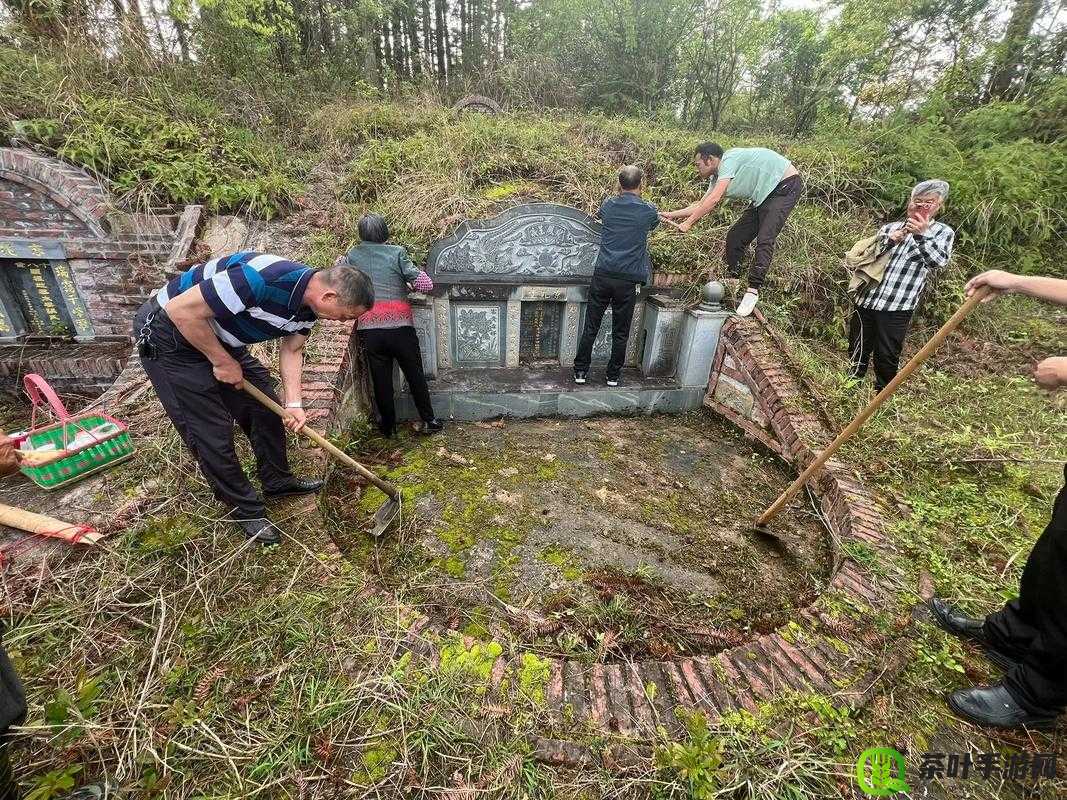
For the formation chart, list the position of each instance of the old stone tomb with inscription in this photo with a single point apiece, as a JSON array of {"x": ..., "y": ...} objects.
[
  {"x": 72, "y": 271},
  {"x": 500, "y": 331}
]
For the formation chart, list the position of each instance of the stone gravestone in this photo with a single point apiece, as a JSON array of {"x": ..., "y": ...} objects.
[
  {"x": 37, "y": 292},
  {"x": 513, "y": 286},
  {"x": 478, "y": 104},
  {"x": 531, "y": 243}
]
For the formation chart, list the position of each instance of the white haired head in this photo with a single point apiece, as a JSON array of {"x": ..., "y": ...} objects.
[{"x": 938, "y": 188}]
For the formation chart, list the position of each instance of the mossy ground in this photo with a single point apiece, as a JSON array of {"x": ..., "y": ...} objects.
[{"x": 619, "y": 535}]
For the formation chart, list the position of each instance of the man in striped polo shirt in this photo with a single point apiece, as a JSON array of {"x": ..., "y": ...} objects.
[
  {"x": 919, "y": 245},
  {"x": 193, "y": 338}
]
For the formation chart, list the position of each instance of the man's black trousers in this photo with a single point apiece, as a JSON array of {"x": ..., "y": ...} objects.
[
  {"x": 877, "y": 334},
  {"x": 621, "y": 296},
  {"x": 382, "y": 346},
  {"x": 1033, "y": 628},
  {"x": 204, "y": 412},
  {"x": 762, "y": 223}
]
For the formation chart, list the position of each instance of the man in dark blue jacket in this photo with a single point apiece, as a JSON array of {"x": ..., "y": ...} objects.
[{"x": 621, "y": 266}]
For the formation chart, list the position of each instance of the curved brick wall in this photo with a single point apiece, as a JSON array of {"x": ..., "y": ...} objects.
[
  {"x": 115, "y": 260},
  {"x": 842, "y": 646},
  {"x": 43, "y": 197}
]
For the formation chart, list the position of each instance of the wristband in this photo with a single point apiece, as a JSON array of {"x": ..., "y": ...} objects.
[{"x": 298, "y": 404}]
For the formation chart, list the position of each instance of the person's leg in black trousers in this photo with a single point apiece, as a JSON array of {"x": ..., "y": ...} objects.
[
  {"x": 408, "y": 355},
  {"x": 738, "y": 238},
  {"x": 379, "y": 354},
  {"x": 624, "y": 297},
  {"x": 262, "y": 426},
  {"x": 1033, "y": 628},
  {"x": 890, "y": 330},
  {"x": 192, "y": 397},
  {"x": 600, "y": 296},
  {"x": 771, "y": 215},
  {"x": 861, "y": 333}
]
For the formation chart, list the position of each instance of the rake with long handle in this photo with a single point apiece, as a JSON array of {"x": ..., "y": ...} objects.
[
  {"x": 876, "y": 403},
  {"x": 385, "y": 514}
]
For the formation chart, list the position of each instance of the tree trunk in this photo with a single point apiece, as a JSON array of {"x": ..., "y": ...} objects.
[
  {"x": 427, "y": 37},
  {"x": 450, "y": 55},
  {"x": 325, "y": 30},
  {"x": 399, "y": 56},
  {"x": 413, "y": 40},
  {"x": 464, "y": 45},
  {"x": 387, "y": 49},
  {"x": 1012, "y": 49},
  {"x": 372, "y": 53},
  {"x": 133, "y": 23},
  {"x": 441, "y": 32}
]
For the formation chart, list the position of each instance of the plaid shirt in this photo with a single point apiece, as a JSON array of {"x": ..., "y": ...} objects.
[{"x": 909, "y": 266}]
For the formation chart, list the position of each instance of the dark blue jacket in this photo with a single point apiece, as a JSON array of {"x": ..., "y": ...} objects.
[{"x": 627, "y": 220}]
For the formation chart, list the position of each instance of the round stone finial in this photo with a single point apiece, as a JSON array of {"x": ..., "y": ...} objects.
[{"x": 712, "y": 294}]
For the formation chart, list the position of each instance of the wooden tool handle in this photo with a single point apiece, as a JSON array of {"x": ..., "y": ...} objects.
[
  {"x": 857, "y": 422},
  {"x": 47, "y": 526},
  {"x": 389, "y": 489}
]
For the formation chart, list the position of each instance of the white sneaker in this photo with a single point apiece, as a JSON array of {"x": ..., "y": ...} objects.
[{"x": 748, "y": 302}]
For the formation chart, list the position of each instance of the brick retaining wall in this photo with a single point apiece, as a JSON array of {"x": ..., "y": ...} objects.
[{"x": 116, "y": 258}]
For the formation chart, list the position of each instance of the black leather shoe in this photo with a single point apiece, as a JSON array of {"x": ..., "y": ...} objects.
[
  {"x": 433, "y": 426},
  {"x": 262, "y": 530},
  {"x": 295, "y": 487},
  {"x": 994, "y": 707},
  {"x": 969, "y": 628},
  {"x": 947, "y": 618}
]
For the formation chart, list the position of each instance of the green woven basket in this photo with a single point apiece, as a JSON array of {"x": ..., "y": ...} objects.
[{"x": 79, "y": 463}]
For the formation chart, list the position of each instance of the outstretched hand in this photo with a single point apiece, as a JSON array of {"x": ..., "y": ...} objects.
[
  {"x": 997, "y": 280},
  {"x": 682, "y": 227}
]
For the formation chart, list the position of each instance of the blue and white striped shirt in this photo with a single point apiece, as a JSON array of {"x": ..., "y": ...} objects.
[{"x": 254, "y": 296}]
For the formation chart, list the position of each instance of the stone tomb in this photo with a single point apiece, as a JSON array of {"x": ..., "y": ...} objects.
[
  {"x": 500, "y": 332},
  {"x": 72, "y": 271}
]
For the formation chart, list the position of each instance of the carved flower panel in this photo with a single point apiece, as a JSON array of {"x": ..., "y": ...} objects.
[{"x": 478, "y": 333}]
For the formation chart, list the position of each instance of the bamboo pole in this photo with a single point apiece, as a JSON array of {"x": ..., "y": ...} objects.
[
  {"x": 390, "y": 490},
  {"x": 47, "y": 526},
  {"x": 876, "y": 403}
]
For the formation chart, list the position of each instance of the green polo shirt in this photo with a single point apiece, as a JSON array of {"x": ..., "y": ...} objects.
[{"x": 753, "y": 172}]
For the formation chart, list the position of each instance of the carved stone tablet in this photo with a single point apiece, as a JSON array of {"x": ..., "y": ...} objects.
[
  {"x": 478, "y": 334},
  {"x": 533, "y": 243},
  {"x": 479, "y": 104},
  {"x": 541, "y": 326},
  {"x": 31, "y": 287}
]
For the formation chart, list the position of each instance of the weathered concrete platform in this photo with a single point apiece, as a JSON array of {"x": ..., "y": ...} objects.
[{"x": 478, "y": 394}]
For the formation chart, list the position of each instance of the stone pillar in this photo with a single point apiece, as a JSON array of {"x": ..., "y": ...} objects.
[
  {"x": 442, "y": 316},
  {"x": 568, "y": 347},
  {"x": 662, "y": 325},
  {"x": 511, "y": 332},
  {"x": 422, "y": 311},
  {"x": 633, "y": 344},
  {"x": 700, "y": 337}
]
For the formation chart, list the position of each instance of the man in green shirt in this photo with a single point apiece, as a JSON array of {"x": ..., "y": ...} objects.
[{"x": 769, "y": 182}]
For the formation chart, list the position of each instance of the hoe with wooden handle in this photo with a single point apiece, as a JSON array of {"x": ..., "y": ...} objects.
[
  {"x": 880, "y": 398},
  {"x": 385, "y": 515}
]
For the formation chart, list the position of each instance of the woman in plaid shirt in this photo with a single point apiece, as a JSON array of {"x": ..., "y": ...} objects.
[{"x": 883, "y": 312}]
